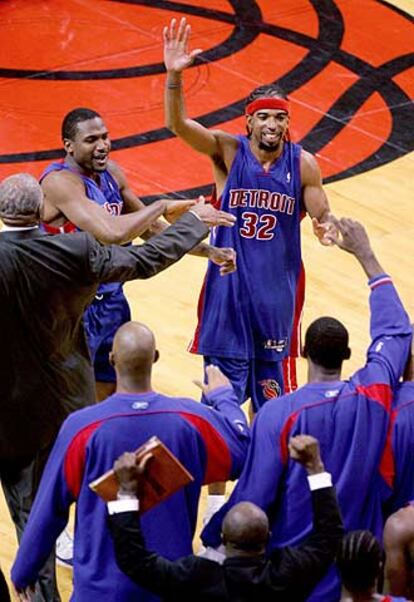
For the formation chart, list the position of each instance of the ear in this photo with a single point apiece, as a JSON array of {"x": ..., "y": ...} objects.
[
  {"x": 156, "y": 356},
  {"x": 249, "y": 124},
  {"x": 304, "y": 352},
  {"x": 223, "y": 538},
  {"x": 112, "y": 359},
  {"x": 347, "y": 354},
  {"x": 68, "y": 145}
]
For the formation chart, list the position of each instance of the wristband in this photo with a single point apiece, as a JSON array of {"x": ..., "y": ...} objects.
[
  {"x": 125, "y": 505},
  {"x": 321, "y": 480}
]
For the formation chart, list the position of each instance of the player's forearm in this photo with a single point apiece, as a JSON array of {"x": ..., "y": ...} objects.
[
  {"x": 175, "y": 114},
  {"x": 201, "y": 250},
  {"x": 369, "y": 263},
  {"x": 135, "y": 224}
]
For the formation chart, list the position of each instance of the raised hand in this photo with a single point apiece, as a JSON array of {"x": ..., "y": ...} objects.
[
  {"x": 177, "y": 57},
  {"x": 305, "y": 450},
  {"x": 354, "y": 238},
  {"x": 129, "y": 472},
  {"x": 215, "y": 379}
]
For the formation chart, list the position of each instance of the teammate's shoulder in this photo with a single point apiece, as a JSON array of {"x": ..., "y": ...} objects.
[
  {"x": 400, "y": 525},
  {"x": 61, "y": 177},
  {"x": 225, "y": 138},
  {"x": 116, "y": 171},
  {"x": 80, "y": 419},
  {"x": 275, "y": 409},
  {"x": 309, "y": 166},
  {"x": 307, "y": 158}
]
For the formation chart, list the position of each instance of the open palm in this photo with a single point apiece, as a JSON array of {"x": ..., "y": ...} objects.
[{"x": 176, "y": 54}]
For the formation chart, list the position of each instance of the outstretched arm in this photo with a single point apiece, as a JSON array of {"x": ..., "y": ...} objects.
[
  {"x": 65, "y": 192},
  {"x": 132, "y": 203},
  {"x": 354, "y": 239},
  {"x": 178, "y": 57},
  {"x": 301, "y": 567},
  {"x": 150, "y": 570},
  {"x": 315, "y": 200}
]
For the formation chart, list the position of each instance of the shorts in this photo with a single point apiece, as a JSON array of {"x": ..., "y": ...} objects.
[
  {"x": 107, "y": 312},
  {"x": 258, "y": 380}
]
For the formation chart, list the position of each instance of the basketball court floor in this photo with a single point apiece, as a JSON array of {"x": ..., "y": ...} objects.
[{"x": 348, "y": 67}]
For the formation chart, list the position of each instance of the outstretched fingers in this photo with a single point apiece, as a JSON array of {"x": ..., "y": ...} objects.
[{"x": 225, "y": 219}]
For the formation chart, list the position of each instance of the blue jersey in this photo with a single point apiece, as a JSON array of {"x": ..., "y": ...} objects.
[
  {"x": 211, "y": 442},
  {"x": 250, "y": 314},
  {"x": 350, "y": 419},
  {"x": 402, "y": 439},
  {"x": 106, "y": 194}
]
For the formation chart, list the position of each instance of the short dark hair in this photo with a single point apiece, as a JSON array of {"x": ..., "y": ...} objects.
[
  {"x": 326, "y": 343},
  {"x": 266, "y": 91},
  {"x": 359, "y": 560},
  {"x": 71, "y": 120}
]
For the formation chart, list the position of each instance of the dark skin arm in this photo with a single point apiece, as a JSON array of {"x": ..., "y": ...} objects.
[
  {"x": 316, "y": 201},
  {"x": 65, "y": 194},
  {"x": 398, "y": 544},
  {"x": 354, "y": 240}
]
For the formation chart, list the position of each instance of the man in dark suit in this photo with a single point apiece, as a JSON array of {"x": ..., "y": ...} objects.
[
  {"x": 46, "y": 282},
  {"x": 245, "y": 575}
]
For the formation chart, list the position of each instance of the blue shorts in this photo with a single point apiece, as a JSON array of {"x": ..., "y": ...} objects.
[
  {"x": 255, "y": 379},
  {"x": 107, "y": 312}
]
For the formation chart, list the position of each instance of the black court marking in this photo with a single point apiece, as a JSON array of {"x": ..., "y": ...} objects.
[{"x": 248, "y": 24}]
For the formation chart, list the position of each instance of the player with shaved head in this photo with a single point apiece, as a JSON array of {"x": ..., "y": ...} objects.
[{"x": 211, "y": 442}]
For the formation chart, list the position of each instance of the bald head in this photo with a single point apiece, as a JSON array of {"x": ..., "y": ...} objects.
[
  {"x": 246, "y": 528},
  {"x": 133, "y": 350},
  {"x": 21, "y": 200}
]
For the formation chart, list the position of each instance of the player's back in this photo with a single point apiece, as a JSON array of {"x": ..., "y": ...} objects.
[
  {"x": 403, "y": 446},
  {"x": 122, "y": 423},
  {"x": 351, "y": 429}
]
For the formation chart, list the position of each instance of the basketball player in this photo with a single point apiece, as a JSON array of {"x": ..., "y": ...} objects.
[
  {"x": 350, "y": 418},
  {"x": 115, "y": 215},
  {"x": 248, "y": 323}
]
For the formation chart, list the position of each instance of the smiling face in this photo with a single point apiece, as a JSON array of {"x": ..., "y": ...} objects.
[
  {"x": 89, "y": 148},
  {"x": 267, "y": 129}
]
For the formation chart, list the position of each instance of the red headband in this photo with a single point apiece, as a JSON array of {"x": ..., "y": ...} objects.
[{"x": 267, "y": 103}]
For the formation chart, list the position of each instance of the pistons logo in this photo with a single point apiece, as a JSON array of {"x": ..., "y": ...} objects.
[
  {"x": 113, "y": 208},
  {"x": 271, "y": 388}
]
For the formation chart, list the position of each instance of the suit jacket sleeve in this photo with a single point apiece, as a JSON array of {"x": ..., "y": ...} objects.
[
  {"x": 157, "y": 574},
  {"x": 113, "y": 263},
  {"x": 301, "y": 567}
]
